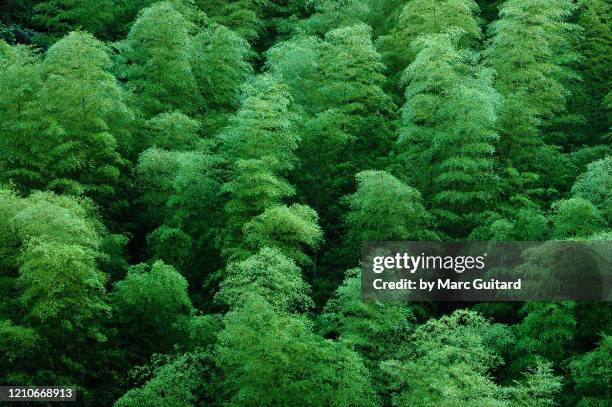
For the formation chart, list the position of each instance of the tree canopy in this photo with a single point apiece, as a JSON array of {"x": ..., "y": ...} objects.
[{"x": 186, "y": 187}]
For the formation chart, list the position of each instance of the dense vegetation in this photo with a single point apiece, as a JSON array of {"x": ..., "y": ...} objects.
[{"x": 185, "y": 186}]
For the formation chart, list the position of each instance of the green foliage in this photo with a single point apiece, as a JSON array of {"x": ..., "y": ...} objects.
[
  {"x": 338, "y": 85},
  {"x": 538, "y": 387},
  {"x": 332, "y": 14},
  {"x": 55, "y": 289},
  {"x": 62, "y": 16},
  {"x": 375, "y": 329},
  {"x": 595, "y": 185},
  {"x": 10, "y": 205},
  {"x": 179, "y": 192},
  {"x": 575, "y": 217},
  {"x": 59, "y": 278},
  {"x": 242, "y": 16},
  {"x": 79, "y": 110},
  {"x": 178, "y": 383},
  {"x": 151, "y": 303},
  {"x": 20, "y": 77},
  {"x": 220, "y": 66},
  {"x": 595, "y": 47},
  {"x": 590, "y": 375},
  {"x": 384, "y": 208},
  {"x": 455, "y": 353},
  {"x": 157, "y": 64},
  {"x": 530, "y": 49},
  {"x": 17, "y": 344},
  {"x": 171, "y": 244},
  {"x": 423, "y": 17},
  {"x": 48, "y": 270},
  {"x": 348, "y": 52},
  {"x": 291, "y": 229},
  {"x": 20, "y": 80},
  {"x": 270, "y": 275},
  {"x": 178, "y": 178},
  {"x": 263, "y": 127},
  {"x": 420, "y": 17},
  {"x": 260, "y": 141},
  {"x": 296, "y": 61},
  {"x": 196, "y": 192},
  {"x": 253, "y": 188},
  {"x": 526, "y": 224},
  {"x": 155, "y": 296},
  {"x": 154, "y": 171},
  {"x": 448, "y": 130},
  {"x": 348, "y": 119},
  {"x": 171, "y": 131},
  {"x": 270, "y": 358},
  {"x": 546, "y": 330}
]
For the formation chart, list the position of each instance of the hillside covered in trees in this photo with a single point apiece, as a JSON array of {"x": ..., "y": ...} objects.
[{"x": 185, "y": 186}]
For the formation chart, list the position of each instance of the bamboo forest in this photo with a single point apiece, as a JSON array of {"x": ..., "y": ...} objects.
[{"x": 186, "y": 185}]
